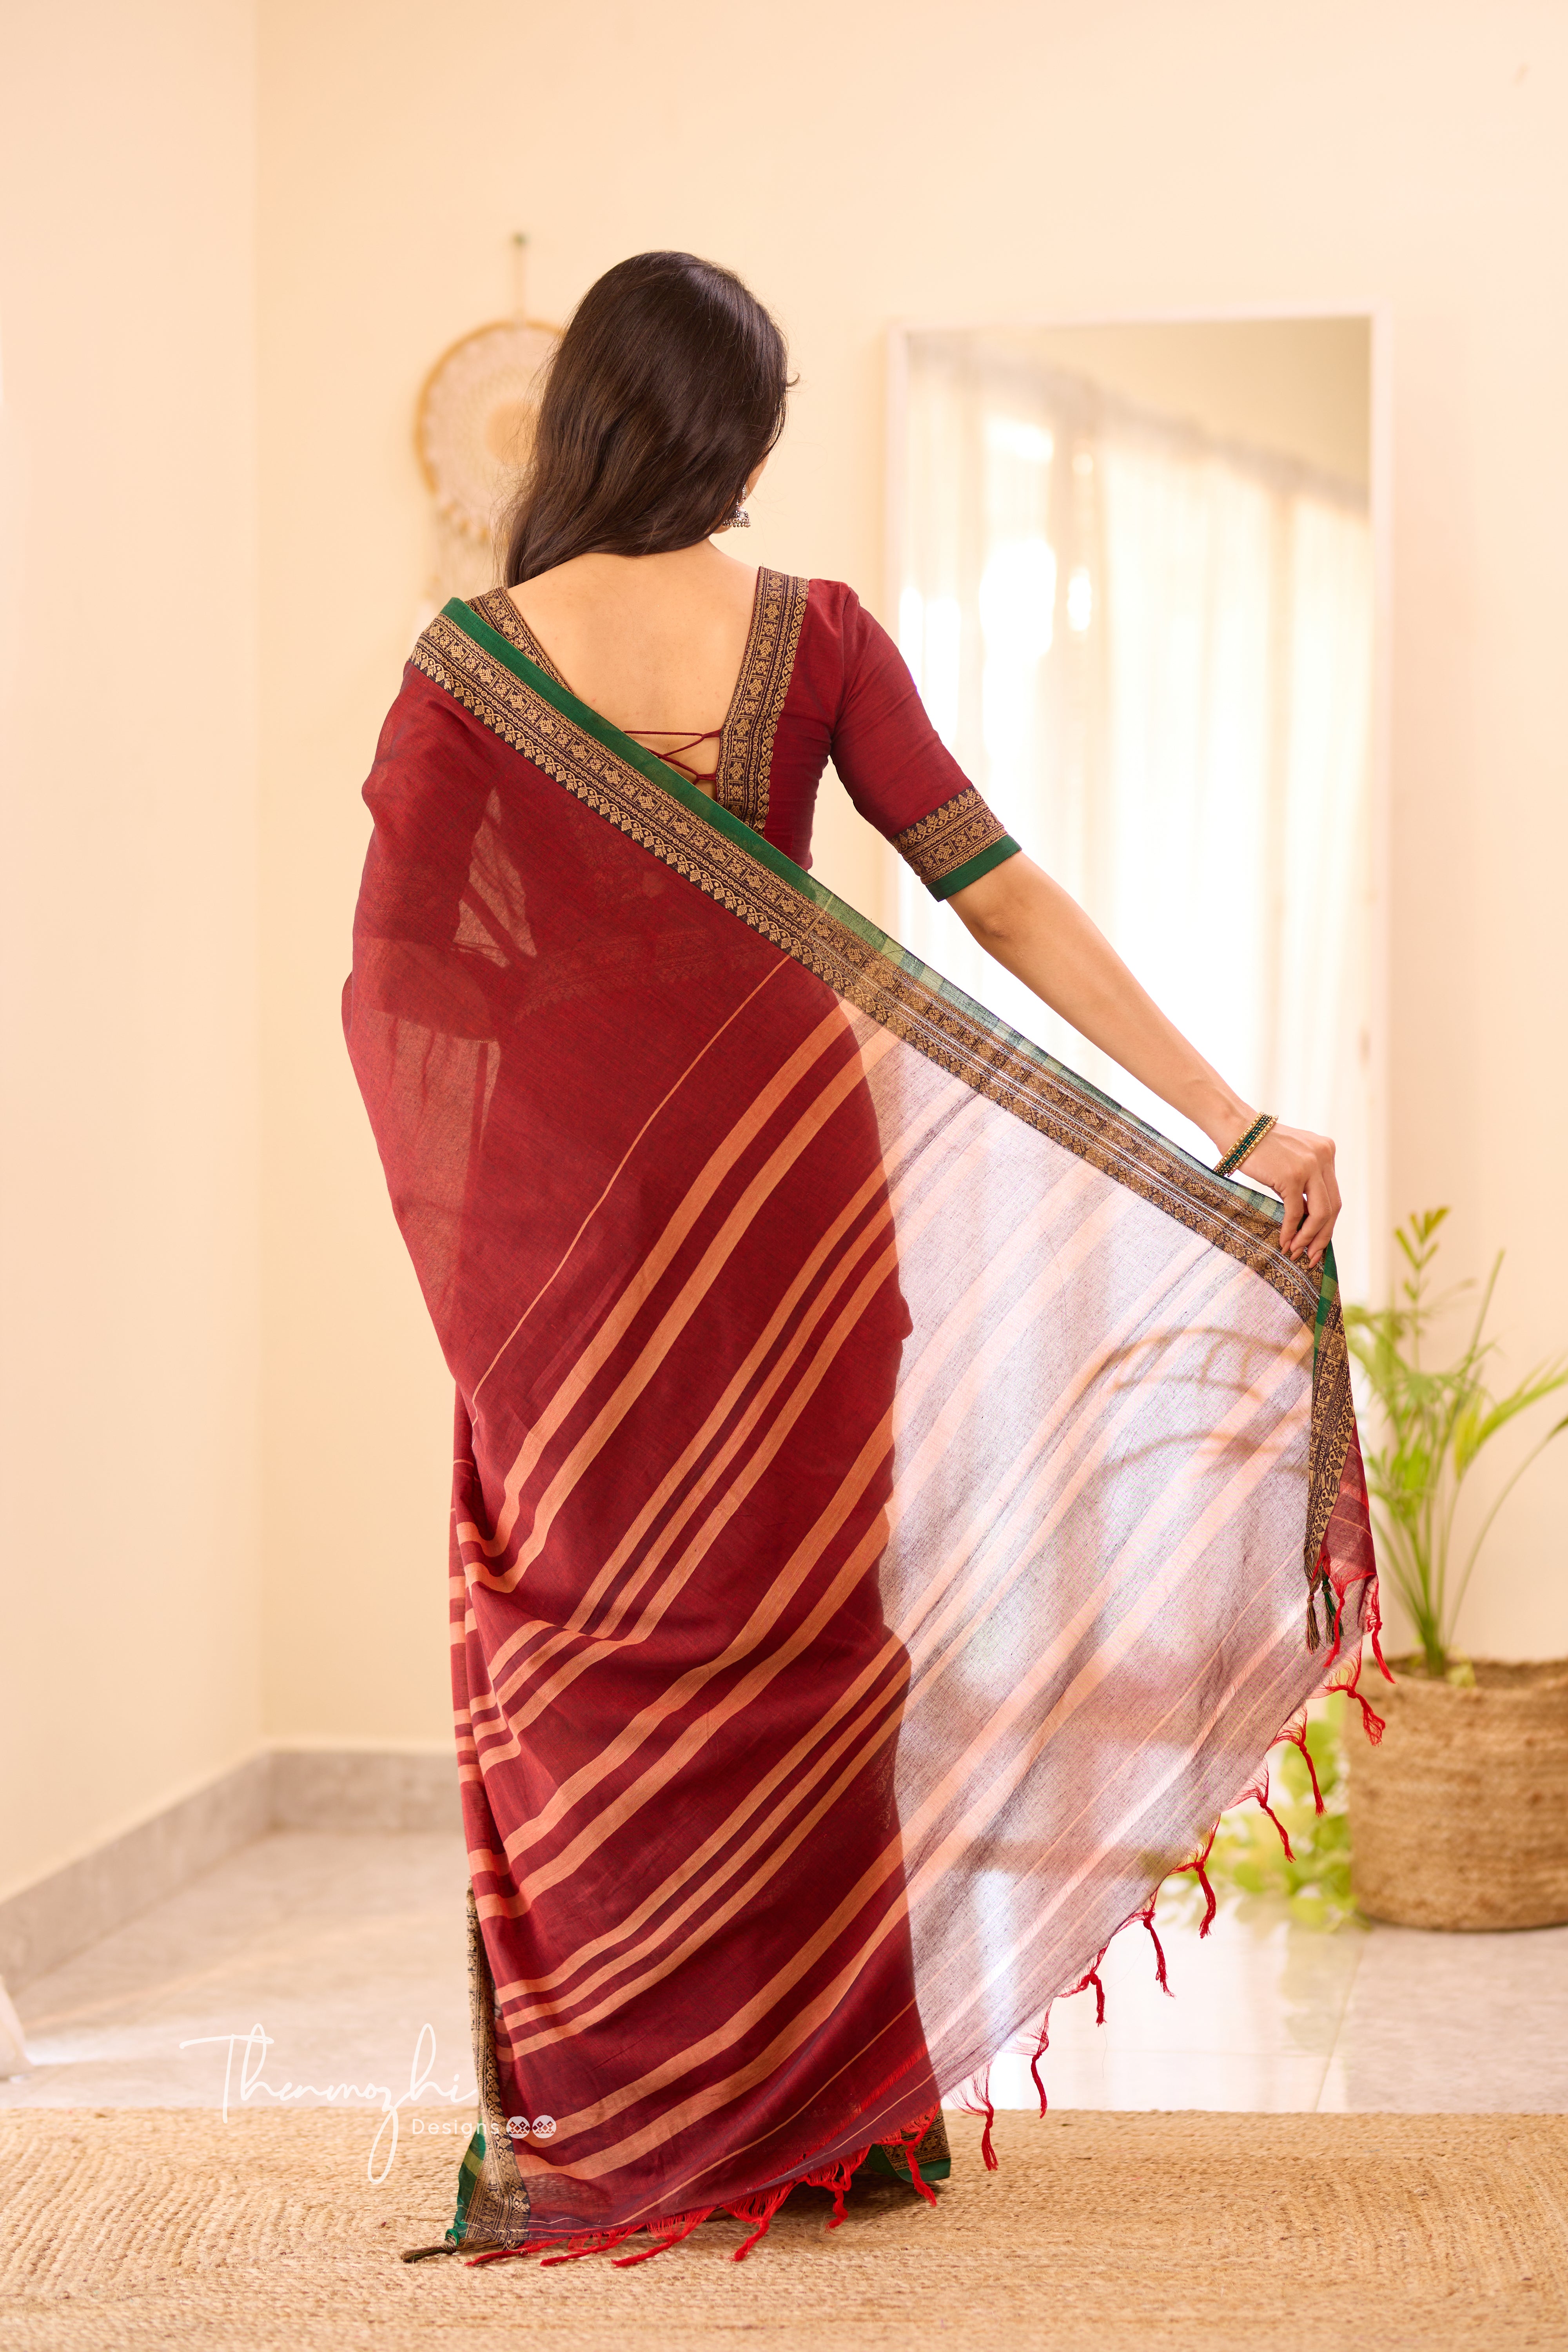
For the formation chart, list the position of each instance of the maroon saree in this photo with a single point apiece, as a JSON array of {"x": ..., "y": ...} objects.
[{"x": 899, "y": 1496}]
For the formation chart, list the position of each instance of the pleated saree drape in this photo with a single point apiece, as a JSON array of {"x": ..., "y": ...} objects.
[{"x": 898, "y": 1497}]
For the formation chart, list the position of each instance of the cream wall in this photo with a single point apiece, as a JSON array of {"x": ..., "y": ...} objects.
[
  {"x": 128, "y": 1181},
  {"x": 862, "y": 164}
]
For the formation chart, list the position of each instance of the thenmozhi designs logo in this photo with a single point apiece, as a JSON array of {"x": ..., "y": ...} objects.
[{"x": 244, "y": 2084}]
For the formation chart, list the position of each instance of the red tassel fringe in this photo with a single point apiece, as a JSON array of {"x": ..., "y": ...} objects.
[
  {"x": 1042, "y": 2044},
  {"x": 987, "y": 2152},
  {"x": 1260, "y": 1795},
  {"x": 1161, "y": 1978},
  {"x": 910, "y": 2143},
  {"x": 976, "y": 2101},
  {"x": 1295, "y": 1731},
  {"x": 1210, "y": 1905},
  {"x": 669, "y": 2229},
  {"x": 1371, "y": 1723}
]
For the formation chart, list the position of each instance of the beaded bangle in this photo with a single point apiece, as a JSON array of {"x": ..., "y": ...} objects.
[{"x": 1244, "y": 1144}]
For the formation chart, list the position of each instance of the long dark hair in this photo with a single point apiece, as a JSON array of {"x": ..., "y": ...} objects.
[{"x": 664, "y": 393}]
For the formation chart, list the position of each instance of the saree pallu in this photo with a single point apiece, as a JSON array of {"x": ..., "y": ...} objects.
[{"x": 899, "y": 1496}]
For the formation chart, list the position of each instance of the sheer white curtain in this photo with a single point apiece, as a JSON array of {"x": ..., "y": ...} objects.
[{"x": 1153, "y": 655}]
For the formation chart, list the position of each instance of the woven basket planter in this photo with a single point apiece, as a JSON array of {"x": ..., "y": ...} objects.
[{"x": 1459, "y": 1818}]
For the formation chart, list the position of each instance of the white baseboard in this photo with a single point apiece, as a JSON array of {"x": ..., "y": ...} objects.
[
  {"x": 343, "y": 1790},
  {"x": 364, "y": 1788}
]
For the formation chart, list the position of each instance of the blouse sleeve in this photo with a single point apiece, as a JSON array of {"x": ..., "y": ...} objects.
[{"x": 898, "y": 772}]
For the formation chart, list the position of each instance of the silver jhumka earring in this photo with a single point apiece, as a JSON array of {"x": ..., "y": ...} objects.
[{"x": 740, "y": 519}]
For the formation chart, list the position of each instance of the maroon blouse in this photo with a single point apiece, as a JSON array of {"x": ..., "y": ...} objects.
[{"x": 822, "y": 680}]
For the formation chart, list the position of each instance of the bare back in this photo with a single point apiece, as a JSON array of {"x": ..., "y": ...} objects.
[{"x": 652, "y": 643}]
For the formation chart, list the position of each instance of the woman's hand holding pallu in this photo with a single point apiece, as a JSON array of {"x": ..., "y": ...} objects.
[{"x": 1300, "y": 1167}]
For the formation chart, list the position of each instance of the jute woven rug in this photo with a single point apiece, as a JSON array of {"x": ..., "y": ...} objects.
[{"x": 169, "y": 2228}]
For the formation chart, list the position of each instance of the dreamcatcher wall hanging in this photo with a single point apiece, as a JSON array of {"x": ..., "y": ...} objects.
[{"x": 474, "y": 433}]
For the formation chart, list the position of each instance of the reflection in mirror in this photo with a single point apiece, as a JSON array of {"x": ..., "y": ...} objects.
[{"x": 1133, "y": 573}]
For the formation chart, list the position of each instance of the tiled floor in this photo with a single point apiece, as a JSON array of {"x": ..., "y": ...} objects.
[
  {"x": 347, "y": 1953},
  {"x": 341, "y": 1949}
]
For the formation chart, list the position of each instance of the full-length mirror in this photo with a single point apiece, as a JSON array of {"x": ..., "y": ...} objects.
[{"x": 1134, "y": 571}]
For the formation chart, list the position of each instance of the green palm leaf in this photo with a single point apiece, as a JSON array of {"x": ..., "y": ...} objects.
[{"x": 1435, "y": 1422}]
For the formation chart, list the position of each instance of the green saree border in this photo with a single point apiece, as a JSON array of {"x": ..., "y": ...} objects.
[
  {"x": 1223, "y": 1196},
  {"x": 973, "y": 868},
  {"x": 1223, "y": 1190},
  {"x": 492, "y": 2200},
  {"x": 955, "y": 844},
  {"x": 633, "y": 790}
]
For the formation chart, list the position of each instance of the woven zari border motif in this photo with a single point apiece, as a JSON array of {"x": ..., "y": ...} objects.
[
  {"x": 497, "y": 609},
  {"x": 746, "y": 745},
  {"x": 937, "y": 845},
  {"x": 493, "y": 2206},
  {"x": 874, "y": 975},
  {"x": 1333, "y": 1427}
]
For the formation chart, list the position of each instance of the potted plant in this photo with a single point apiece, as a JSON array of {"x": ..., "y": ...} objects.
[{"x": 1458, "y": 1818}]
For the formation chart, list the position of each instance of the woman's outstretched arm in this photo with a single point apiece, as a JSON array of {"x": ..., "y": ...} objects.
[{"x": 1044, "y": 938}]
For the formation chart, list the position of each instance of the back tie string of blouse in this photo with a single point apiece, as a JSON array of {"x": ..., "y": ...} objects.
[{"x": 676, "y": 759}]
